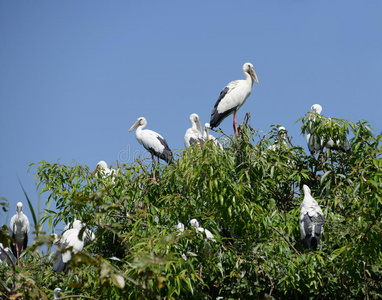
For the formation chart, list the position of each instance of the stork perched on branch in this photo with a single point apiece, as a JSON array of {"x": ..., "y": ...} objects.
[
  {"x": 152, "y": 142},
  {"x": 232, "y": 97},
  {"x": 312, "y": 220},
  {"x": 19, "y": 229}
]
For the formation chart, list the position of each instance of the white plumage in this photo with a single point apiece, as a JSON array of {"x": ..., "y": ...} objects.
[
  {"x": 56, "y": 292},
  {"x": 209, "y": 137},
  {"x": 232, "y": 97},
  {"x": 281, "y": 141},
  {"x": 72, "y": 241},
  {"x": 193, "y": 134},
  {"x": 19, "y": 229},
  {"x": 152, "y": 141},
  {"x": 102, "y": 170},
  {"x": 317, "y": 143},
  {"x": 194, "y": 223},
  {"x": 312, "y": 220}
]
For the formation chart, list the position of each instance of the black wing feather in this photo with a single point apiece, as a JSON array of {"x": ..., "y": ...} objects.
[
  {"x": 217, "y": 118},
  {"x": 59, "y": 265}
]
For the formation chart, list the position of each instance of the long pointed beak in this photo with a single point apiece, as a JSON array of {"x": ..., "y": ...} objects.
[
  {"x": 254, "y": 76},
  {"x": 135, "y": 125},
  {"x": 199, "y": 127}
]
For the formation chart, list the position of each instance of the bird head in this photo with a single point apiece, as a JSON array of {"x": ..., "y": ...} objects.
[
  {"x": 248, "y": 68},
  {"x": 306, "y": 189},
  {"x": 194, "y": 223},
  {"x": 19, "y": 208},
  {"x": 180, "y": 226},
  {"x": 140, "y": 122},
  {"x": 102, "y": 165},
  {"x": 194, "y": 118},
  {"x": 316, "y": 108}
]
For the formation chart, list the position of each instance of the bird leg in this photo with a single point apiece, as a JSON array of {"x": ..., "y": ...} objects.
[
  {"x": 153, "y": 178},
  {"x": 235, "y": 124},
  {"x": 200, "y": 271}
]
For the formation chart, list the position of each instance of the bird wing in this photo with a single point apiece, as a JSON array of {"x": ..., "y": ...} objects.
[
  {"x": 26, "y": 234},
  {"x": 223, "y": 107},
  {"x": 156, "y": 145}
]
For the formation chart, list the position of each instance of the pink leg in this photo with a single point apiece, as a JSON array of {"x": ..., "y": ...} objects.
[
  {"x": 235, "y": 124},
  {"x": 152, "y": 156}
]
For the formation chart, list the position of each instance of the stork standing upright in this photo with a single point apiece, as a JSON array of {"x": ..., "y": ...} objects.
[
  {"x": 193, "y": 134},
  {"x": 19, "y": 229},
  {"x": 232, "y": 97},
  {"x": 72, "y": 241},
  {"x": 152, "y": 141},
  {"x": 312, "y": 220}
]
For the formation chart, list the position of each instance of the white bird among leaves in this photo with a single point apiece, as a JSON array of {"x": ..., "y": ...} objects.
[
  {"x": 152, "y": 142},
  {"x": 56, "y": 292},
  {"x": 102, "y": 170},
  {"x": 72, "y": 241},
  {"x": 193, "y": 134},
  {"x": 232, "y": 97},
  {"x": 316, "y": 143},
  {"x": 280, "y": 141},
  {"x": 194, "y": 223},
  {"x": 312, "y": 220},
  {"x": 19, "y": 229},
  {"x": 209, "y": 137}
]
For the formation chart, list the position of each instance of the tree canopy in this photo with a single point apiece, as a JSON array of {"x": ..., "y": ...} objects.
[{"x": 247, "y": 195}]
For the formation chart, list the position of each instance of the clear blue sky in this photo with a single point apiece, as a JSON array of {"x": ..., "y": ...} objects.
[{"x": 75, "y": 75}]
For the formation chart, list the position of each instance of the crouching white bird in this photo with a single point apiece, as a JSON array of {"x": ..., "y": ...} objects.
[
  {"x": 72, "y": 241},
  {"x": 312, "y": 220},
  {"x": 232, "y": 97},
  {"x": 152, "y": 142},
  {"x": 102, "y": 170},
  {"x": 193, "y": 134},
  {"x": 19, "y": 229}
]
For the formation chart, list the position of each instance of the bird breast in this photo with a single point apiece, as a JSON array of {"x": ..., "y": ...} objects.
[{"x": 238, "y": 93}]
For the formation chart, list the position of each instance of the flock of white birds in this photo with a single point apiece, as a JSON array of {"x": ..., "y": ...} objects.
[{"x": 231, "y": 98}]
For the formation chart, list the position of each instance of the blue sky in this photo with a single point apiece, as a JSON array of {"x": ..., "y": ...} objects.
[{"x": 75, "y": 75}]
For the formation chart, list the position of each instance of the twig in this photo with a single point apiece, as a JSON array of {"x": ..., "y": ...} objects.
[{"x": 286, "y": 240}]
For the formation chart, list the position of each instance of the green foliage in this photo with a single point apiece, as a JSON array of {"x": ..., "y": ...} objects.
[{"x": 248, "y": 196}]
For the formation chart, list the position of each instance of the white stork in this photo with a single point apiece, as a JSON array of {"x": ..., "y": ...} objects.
[
  {"x": 232, "y": 97},
  {"x": 71, "y": 242},
  {"x": 19, "y": 229},
  {"x": 193, "y": 134},
  {"x": 102, "y": 169},
  {"x": 152, "y": 141},
  {"x": 209, "y": 137},
  {"x": 312, "y": 220},
  {"x": 6, "y": 255},
  {"x": 281, "y": 141},
  {"x": 312, "y": 140}
]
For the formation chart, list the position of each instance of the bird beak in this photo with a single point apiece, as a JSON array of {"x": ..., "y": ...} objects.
[
  {"x": 199, "y": 127},
  {"x": 253, "y": 75},
  {"x": 135, "y": 125},
  {"x": 94, "y": 171}
]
